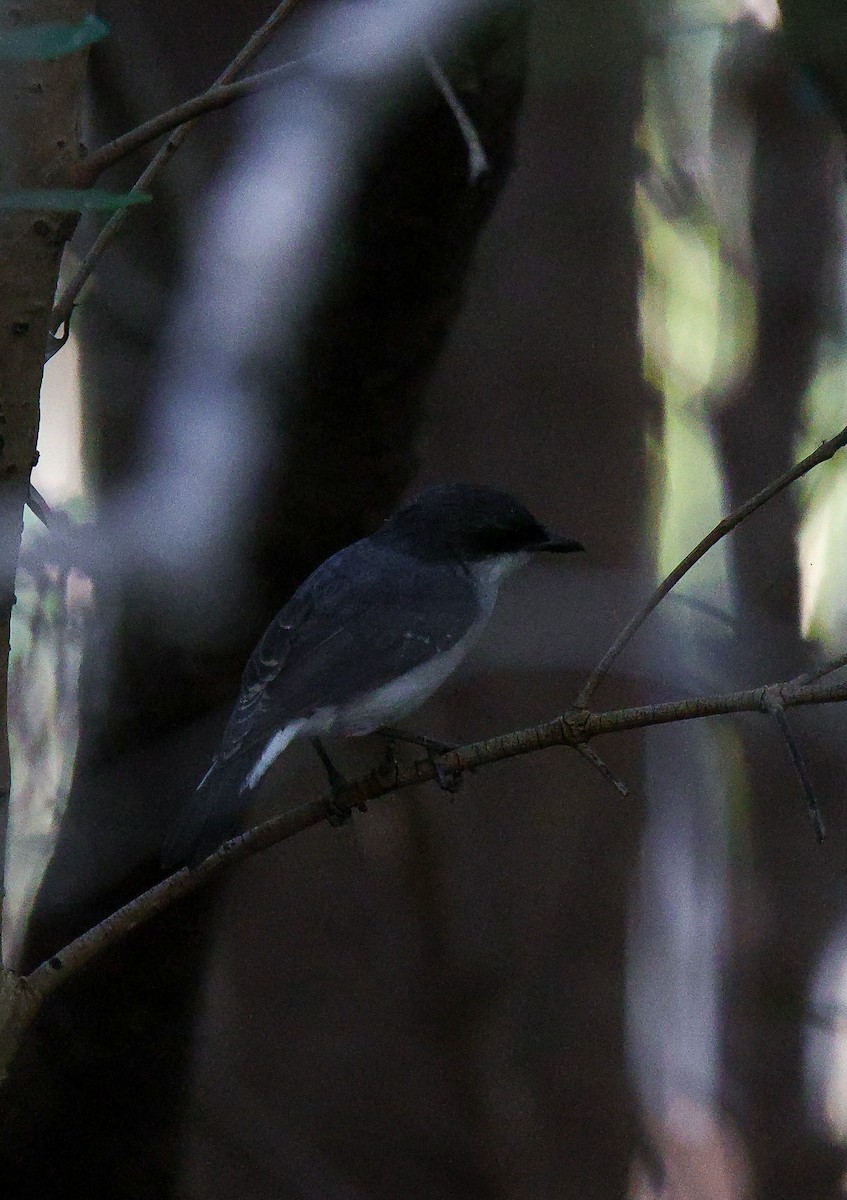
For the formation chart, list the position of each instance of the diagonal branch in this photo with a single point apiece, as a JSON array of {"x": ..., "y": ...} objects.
[
  {"x": 824, "y": 452},
  {"x": 255, "y": 44},
  {"x": 574, "y": 729},
  {"x": 834, "y": 664},
  {"x": 90, "y": 168}
]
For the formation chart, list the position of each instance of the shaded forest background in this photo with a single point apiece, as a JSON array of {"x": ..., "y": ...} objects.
[{"x": 633, "y": 320}]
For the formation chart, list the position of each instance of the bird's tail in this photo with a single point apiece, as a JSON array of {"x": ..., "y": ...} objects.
[{"x": 210, "y": 815}]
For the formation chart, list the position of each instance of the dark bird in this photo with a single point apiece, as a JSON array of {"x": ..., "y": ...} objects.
[{"x": 368, "y": 637}]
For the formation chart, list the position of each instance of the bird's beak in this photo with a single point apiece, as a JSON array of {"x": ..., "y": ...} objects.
[{"x": 558, "y": 545}]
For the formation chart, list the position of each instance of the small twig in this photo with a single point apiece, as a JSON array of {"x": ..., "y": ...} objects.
[
  {"x": 477, "y": 158},
  {"x": 824, "y": 452},
  {"x": 255, "y": 44},
  {"x": 573, "y": 729},
  {"x": 56, "y": 342},
  {"x": 834, "y": 664},
  {"x": 772, "y": 703},
  {"x": 605, "y": 770},
  {"x": 87, "y": 171}
]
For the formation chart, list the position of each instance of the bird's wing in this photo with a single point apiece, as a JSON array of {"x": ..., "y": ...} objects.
[
  {"x": 263, "y": 666},
  {"x": 357, "y": 623},
  {"x": 353, "y": 626}
]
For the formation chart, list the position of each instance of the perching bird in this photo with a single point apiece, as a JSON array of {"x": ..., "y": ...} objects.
[{"x": 364, "y": 641}]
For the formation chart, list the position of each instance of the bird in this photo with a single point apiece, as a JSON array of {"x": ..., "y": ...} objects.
[{"x": 364, "y": 641}]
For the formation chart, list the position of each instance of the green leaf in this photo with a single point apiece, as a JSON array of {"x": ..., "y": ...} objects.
[
  {"x": 51, "y": 40},
  {"x": 71, "y": 200}
]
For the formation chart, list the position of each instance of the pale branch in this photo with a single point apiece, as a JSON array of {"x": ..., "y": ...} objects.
[
  {"x": 824, "y": 452},
  {"x": 573, "y": 729},
  {"x": 86, "y": 172},
  {"x": 834, "y": 664},
  {"x": 252, "y": 47}
]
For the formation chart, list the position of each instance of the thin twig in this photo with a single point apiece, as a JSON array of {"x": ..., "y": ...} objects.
[
  {"x": 834, "y": 664},
  {"x": 573, "y": 729},
  {"x": 89, "y": 169},
  {"x": 255, "y": 44},
  {"x": 477, "y": 158},
  {"x": 774, "y": 705},
  {"x": 824, "y": 452},
  {"x": 605, "y": 770}
]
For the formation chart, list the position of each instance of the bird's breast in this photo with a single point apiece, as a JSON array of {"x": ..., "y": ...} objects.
[{"x": 392, "y": 701}]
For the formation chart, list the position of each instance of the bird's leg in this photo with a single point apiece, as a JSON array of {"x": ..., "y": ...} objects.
[
  {"x": 390, "y": 763},
  {"x": 338, "y": 812},
  {"x": 416, "y": 739},
  {"x": 336, "y": 780},
  {"x": 447, "y": 780}
]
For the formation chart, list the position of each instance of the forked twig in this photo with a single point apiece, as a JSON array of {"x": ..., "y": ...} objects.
[
  {"x": 87, "y": 171},
  {"x": 255, "y": 44}
]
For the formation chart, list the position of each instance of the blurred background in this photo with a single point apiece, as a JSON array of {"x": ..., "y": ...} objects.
[{"x": 593, "y": 253}]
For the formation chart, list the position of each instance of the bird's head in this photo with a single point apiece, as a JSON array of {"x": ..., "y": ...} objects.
[{"x": 474, "y": 524}]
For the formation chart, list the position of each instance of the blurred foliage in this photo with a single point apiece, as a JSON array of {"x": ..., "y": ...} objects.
[{"x": 46, "y": 648}]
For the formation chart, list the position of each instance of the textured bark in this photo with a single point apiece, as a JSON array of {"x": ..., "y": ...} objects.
[{"x": 38, "y": 140}]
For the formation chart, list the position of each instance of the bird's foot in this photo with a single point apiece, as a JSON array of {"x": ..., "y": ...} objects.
[
  {"x": 337, "y": 811},
  {"x": 338, "y": 808},
  {"x": 448, "y": 780},
  {"x": 389, "y": 766}
]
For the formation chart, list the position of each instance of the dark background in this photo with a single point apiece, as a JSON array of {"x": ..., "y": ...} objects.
[{"x": 435, "y": 1003}]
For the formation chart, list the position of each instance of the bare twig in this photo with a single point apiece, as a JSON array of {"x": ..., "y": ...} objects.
[
  {"x": 824, "y": 452},
  {"x": 834, "y": 664},
  {"x": 477, "y": 158},
  {"x": 65, "y": 303},
  {"x": 573, "y": 729},
  {"x": 605, "y": 770},
  {"x": 87, "y": 171},
  {"x": 773, "y": 703}
]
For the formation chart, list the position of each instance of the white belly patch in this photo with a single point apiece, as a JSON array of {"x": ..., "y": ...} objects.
[
  {"x": 403, "y": 695},
  {"x": 393, "y": 701}
]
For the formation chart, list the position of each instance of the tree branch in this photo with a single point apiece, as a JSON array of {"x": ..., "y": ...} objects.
[
  {"x": 573, "y": 729},
  {"x": 89, "y": 169},
  {"x": 824, "y": 452},
  {"x": 68, "y": 297},
  {"x": 834, "y": 664}
]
